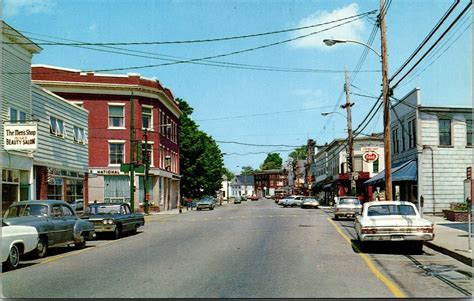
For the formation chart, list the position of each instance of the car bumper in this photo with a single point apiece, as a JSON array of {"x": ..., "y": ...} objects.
[
  {"x": 397, "y": 237},
  {"x": 104, "y": 228},
  {"x": 348, "y": 214}
]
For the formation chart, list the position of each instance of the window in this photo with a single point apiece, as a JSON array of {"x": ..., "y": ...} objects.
[
  {"x": 55, "y": 189},
  {"x": 357, "y": 163},
  {"x": 116, "y": 116},
  {"x": 375, "y": 166},
  {"x": 74, "y": 190},
  {"x": 79, "y": 135},
  {"x": 67, "y": 211},
  {"x": 469, "y": 131},
  {"x": 56, "y": 126},
  {"x": 411, "y": 133},
  {"x": 395, "y": 142},
  {"x": 168, "y": 130},
  {"x": 147, "y": 117},
  {"x": 16, "y": 115},
  {"x": 149, "y": 149},
  {"x": 403, "y": 135},
  {"x": 116, "y": 153},
  {"x": 445, "y": 132}
]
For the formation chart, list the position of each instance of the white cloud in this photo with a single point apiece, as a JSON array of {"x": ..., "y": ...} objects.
[
  {"x": 27, "y": 7},
  {"x": 350, "y": 31}
]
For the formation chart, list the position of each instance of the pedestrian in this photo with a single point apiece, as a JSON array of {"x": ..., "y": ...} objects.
[{"x": 189, "y": 202}]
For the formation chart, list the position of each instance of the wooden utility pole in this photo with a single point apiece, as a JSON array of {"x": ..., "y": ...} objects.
[
  {"x": 386, "y": 106},
  {"x": 350, "y": 158},
  {"x": 132, "y": 151}
]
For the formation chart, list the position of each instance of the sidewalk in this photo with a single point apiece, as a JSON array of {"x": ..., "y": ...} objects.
[{"x": 451, "y": 238}]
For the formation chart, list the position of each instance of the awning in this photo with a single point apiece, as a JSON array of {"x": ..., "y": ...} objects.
[
  {"x": 327, "y": 186},
  {"x": 401, "y": 172}
]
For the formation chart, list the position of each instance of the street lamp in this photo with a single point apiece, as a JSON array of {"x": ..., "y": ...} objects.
[
  {"x": 329, "y": 113},
  {"x": 385, "y": 95}
]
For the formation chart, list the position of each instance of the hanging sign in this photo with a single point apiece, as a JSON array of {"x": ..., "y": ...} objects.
[
  {"x": 20, "y": 136},
  {"x": 370, "y": 156}
]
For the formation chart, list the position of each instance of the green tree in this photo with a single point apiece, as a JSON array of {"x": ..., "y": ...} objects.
[
  {"x": 299, "y": 153},
  {"x": 229, "y": 175},
  {"x": 247, "y": 171},
  {"x": 272, "y": 161},
  {"x": 202, "y": 163}
]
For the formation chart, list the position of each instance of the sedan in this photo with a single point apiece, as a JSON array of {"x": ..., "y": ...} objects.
[
  {"x": 114, "y": 219},
  {"x": 347, "y": 207},
  {"x": 206, "y": 203},
  {"x": 56, "y": 222},
  {"x": 16, "y": 241},
  {"x": 310, "y": 203}
]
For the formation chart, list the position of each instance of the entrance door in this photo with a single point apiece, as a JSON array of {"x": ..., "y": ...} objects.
[{"x": 9, "y": 195}]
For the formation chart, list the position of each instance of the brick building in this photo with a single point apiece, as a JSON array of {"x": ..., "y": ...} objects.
[{"x": 107, "y": 98}]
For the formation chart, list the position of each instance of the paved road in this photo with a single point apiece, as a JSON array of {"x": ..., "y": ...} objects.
[{"x": 248, "y": 250}]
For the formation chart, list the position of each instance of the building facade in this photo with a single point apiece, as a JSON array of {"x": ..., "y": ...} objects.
[
  {"x": 110, "y": 100},
  {"x": 271, "y": 182},
  {"x": 241, "y": 186},
  {"x": 431, "y": 149}
]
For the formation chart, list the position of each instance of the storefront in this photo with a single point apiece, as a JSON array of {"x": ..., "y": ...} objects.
[{"x": 59, "y": 184}]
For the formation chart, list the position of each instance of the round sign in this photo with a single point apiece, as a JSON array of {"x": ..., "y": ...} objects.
[{"x": 370, "y": 156}]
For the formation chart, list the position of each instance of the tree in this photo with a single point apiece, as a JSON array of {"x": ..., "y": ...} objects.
[
  {"x": 229, "y": 175},
  {"x": 201, "y": 161},
  {"x": 299, "y": 153},
  {"x": 247, "y": 171},
  {"x": 272, "y": 161}
]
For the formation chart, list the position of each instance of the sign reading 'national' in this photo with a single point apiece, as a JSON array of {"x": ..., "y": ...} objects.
[{"x": 20, "y": 136}]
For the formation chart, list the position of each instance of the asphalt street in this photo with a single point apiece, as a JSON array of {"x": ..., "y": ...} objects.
[{"x": 256, "y": 249}]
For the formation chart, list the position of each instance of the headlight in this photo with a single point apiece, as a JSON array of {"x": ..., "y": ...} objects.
[
  {"x": 107, "y": 221},
  {"x": 110, "y": 222},
  {"x": 104, "y": 222}
]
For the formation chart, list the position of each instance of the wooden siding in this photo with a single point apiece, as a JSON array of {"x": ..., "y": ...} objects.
[{"x": 55, "y": 151}]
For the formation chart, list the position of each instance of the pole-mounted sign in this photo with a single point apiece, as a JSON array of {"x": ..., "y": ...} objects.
[{"x": 20, "y": 136}]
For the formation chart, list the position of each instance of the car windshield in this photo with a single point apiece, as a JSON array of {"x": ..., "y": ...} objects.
[
  {"x": 347, "y": 201},
  {"x": 378, "y": 210},
  {"x": 104, "y": 209},
  {"x": 27, "y": 210}
]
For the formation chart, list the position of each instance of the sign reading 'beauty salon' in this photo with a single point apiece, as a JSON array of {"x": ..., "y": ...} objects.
[{"x": 20, "y": 136}]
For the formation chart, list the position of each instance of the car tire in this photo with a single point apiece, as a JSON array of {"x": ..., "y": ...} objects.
[
  {"x": 417, "y": 247},
  {"x": 117, "y": 233},
  {"x": 135, "y": 229},
  {"x": 363, "y": 245},
  {"x": 13, "y": 259},
  {"x": 42, "y": 247},
  {"x": 82, "y": 242},
  {"x": 336, "y": 217}
]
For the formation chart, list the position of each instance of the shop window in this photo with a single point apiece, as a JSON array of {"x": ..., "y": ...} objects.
[
  {"x": 445, "y": 132},
  {"x": 116, "y": 116},
  {"x": 116, "y": 153},
  {"x": 56, "y": 126},
  {"x": 74, "y": 190},
  {"x": 10, "y": 176},
  {"x": 55, "y": 189},
  {"x": 147, "y": 118},
  {"x": 79, "y": 135}
]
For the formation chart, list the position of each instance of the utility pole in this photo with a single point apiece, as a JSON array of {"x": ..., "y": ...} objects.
[
  {"x": 386, "y": 106},
  {"x": 350, "y": 158},
  {"x": 132, "y": 151}
]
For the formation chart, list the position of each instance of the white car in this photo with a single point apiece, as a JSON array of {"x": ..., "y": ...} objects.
[
  {"x": 288, "y": 199},
  {"x": 347, "y": 207},
  {"x": 17, "y": 240},
  {"x": 393, "y": 221}
]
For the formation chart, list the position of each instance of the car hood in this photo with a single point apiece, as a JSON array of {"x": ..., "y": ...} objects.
[{"x": 394, "y": 221}]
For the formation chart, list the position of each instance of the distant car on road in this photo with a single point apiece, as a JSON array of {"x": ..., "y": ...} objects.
[
  {"x": 113, "y": 218},
  {"x": 293, "y": 201},
  {"x": 206, "y": 203},
  {"x": 16, "y": 241},
  {"x": 254, "y": 198},
  {"x": 237, "y": 201},
  {"x": 310, "y": 203},
  {"x": 55, "y": 220},
  {"x": 347, "y": 207},
  {"x": 394, "y": 221}
]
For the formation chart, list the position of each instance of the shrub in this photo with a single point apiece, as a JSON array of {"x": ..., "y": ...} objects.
[{"x": 462, "y": 207}]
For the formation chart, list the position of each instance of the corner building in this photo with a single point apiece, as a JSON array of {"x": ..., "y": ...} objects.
[{"x": 155, "y": 119}]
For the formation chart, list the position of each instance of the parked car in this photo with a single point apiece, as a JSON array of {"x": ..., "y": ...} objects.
[
  {"x": 254, "y": 197},
  {"x": 206, "y": 203},
  {"x": 55, "y": 220},
  {"x": 16, "y": 241},
  {"x": 114, "y": 218},
  {"x": 282, "y": 200},
  {"x": 347, "y": 207},
  {"x": 294, "y": 201},
  {"x": 77, "y": 205},
  {"x": 394, "y": 221},
  {"x": 237, "y": 201},
  {"x": 310, "y": 203}
]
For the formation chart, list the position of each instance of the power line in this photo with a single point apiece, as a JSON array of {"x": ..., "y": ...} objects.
[
  {"x": 202, "y": 40},
  {"x": 264, "y": 145},
  {"x": 258, "y": 153}
]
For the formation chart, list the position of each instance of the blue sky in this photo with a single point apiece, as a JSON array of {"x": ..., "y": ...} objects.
[{"x": 219, "y": 95}]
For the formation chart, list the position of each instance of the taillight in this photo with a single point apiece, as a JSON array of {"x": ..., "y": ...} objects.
[
  {"x": 425, "y": 229},
  {"x": 368, "y": 230}
]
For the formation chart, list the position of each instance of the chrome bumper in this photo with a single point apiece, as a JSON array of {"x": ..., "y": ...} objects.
[{"x": 397, "y": 237}]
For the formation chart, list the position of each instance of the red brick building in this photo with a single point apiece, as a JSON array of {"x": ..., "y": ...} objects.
[
  {"x": 271, "y": 182},
  {"x": 107, "y": 98}
]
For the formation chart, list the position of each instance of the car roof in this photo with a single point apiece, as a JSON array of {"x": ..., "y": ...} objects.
[
  {"x": 389, "y": 203},
  {"x": 106, "y": 204},
  {"x": 39, "y": 202}
]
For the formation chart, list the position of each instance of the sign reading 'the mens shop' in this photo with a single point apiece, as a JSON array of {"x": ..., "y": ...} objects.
[{"x": 20, "y": 136}]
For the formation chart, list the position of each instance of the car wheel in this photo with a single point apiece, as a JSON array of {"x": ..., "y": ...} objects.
[
  {"x": 336, "y": 217},
  {"x": 117, "y": 233},
  {"x": 82, "y": 242},
  {"x": 13, "y": 258},
  {"x": 417, "y": 247},
  {"x": 135, "y": 229},
  {"x": 363, "y": 245},
  {"x": 42, "y": 247}
]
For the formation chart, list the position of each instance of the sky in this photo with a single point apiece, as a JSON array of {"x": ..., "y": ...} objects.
[{"x": 265, "y": 107}]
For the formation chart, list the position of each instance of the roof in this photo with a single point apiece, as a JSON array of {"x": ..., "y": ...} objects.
[
  {"x": 16, "y": 37},
  {"x": 405, "y": 171}
]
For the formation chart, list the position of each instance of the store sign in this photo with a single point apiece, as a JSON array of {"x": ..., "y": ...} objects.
[
  {"x": 370, "y": 156},
  {"x": 20, "y": 136},
  {"x": 105, "y": 172}
]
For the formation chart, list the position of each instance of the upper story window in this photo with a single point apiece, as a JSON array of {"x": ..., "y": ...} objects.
[
  {"x": 79, "y": 135},
  {"x": 116, "y": 153},
  {"x": 147, "y": 115},
  {"x": 375, "y": 165},
  {"x": 469, "y": 131},
  {"x": 56, "y": 126},
  {"x": 403, "y": 135},
  {"x": 445, "y": 132},
  {"x": 395, "y": 142},
  {"x": 116, "y": 116},
  {"x": 17, "y": 115},
  {"x": 412, "y": 133}
]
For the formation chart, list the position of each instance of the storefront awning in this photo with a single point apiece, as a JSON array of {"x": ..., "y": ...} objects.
[{"x": 405, "y": 171}]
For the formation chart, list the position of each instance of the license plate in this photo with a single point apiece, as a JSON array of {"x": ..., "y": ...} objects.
[{"x": 397, "y": 237}]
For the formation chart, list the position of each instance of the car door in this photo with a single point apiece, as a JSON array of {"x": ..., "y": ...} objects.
[
  {"x": 126, "y": 218},
  {"x": 70, "y": 220},
  {"x": 59, "y": 234}
]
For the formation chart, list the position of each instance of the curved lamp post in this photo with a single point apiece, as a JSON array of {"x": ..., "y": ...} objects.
[{"x": 332, "y": 42}]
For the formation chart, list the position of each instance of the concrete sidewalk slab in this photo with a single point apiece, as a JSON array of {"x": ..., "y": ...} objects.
[{"x": 450, "y": 239}]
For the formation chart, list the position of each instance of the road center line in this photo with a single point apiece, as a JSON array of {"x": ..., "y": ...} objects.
[{"x": 390, "y": 285}]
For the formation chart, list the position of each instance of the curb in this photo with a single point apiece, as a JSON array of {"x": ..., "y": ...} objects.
[{"x": 464, "y": 259}]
